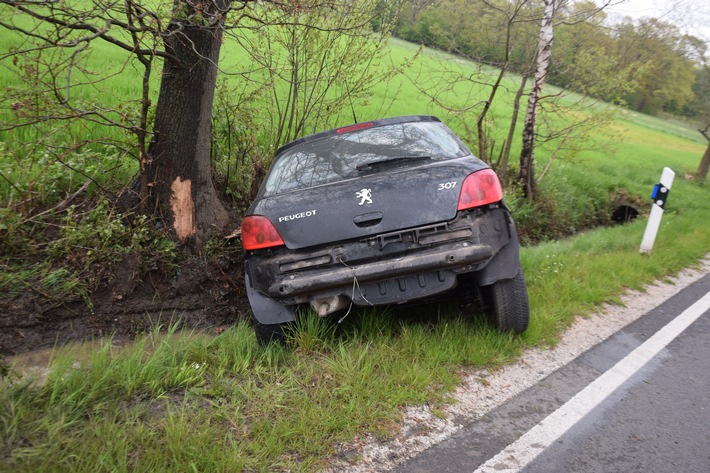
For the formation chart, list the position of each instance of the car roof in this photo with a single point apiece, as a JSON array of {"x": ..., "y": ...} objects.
[{"x": 359, "y": 126}]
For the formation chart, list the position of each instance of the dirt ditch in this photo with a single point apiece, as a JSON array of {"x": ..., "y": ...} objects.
[{"x": 201, "y": 294}]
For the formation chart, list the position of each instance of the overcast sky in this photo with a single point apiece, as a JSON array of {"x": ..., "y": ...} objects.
[{"x": 691, "y": 16}]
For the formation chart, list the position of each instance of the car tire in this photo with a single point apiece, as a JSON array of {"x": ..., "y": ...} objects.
[
  {"x": 510, "y": 307},
  {"x": 267, "y": 333}
]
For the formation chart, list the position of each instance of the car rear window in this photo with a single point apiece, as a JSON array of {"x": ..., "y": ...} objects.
[{"x": 338, "y": 156}]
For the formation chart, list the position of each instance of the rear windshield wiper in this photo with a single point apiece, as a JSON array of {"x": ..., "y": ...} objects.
[{"x": 387, "y": 161}]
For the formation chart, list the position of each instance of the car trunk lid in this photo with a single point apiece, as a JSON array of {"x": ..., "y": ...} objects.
[{"x": 368, "y": 205}]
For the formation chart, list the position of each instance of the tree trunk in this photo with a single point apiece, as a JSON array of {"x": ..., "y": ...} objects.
[
  {"x": 704, "y": 165},
  {"x": 179, "y": 169},
  {"x": 705, "y": 162},
  {"x": 505, "y": 157},
  {"x": 544, "y": 54}
]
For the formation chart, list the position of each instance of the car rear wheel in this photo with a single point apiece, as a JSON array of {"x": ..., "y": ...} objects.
[
  {"x": 267, "y": 333},
  {"x": 510, "y": 307}
]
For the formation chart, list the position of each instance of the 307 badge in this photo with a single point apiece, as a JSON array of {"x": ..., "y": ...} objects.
[{"x": 447, "y": 185}]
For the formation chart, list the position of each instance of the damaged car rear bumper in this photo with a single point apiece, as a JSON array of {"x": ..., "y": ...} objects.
[
  {"x": 388, "y": 268},
  {"x": 458, "y": 256}
]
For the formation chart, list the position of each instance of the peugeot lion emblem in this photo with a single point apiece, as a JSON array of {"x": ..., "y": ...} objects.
[{"x": 365, "y": 196}]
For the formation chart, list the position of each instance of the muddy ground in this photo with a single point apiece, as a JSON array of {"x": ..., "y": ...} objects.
[{"x": 202, "y": 293}]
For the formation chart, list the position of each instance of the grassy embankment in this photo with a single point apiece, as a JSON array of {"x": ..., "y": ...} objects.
[{"x": 222, "y": 404}]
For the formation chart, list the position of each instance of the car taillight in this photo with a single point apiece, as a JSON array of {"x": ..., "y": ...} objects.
[
  {"x": 480, "y": 188},
  {"x": 258, "y": 232}
]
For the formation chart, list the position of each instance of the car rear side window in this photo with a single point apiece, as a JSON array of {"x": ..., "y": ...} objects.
[{"x": 338, "y": 156}]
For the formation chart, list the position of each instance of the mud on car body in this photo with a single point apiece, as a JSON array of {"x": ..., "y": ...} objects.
[{"x": 389, "y": 211}]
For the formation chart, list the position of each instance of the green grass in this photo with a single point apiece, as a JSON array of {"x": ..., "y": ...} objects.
[
  {"x": 222, "y": 404},
  {"x": 201, "y": 402},
  {"x": 194, "y": 401}
]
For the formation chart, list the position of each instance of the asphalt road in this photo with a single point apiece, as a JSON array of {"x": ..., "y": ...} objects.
[{"x": 639, "y": 401}]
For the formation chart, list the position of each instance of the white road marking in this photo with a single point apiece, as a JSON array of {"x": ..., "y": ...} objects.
[{"x": 523, "y": 451}]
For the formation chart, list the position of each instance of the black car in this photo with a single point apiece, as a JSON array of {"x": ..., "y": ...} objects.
[{"x": 384, "y": 212}]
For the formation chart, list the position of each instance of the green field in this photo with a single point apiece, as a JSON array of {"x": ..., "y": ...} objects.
[{"x": 220, "y": 403}]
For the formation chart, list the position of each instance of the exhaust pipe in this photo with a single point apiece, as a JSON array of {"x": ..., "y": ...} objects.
[{"x": 327, "y": 305}]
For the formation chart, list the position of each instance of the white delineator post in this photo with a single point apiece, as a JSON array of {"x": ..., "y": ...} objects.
[{"x": 660, "y": 194}]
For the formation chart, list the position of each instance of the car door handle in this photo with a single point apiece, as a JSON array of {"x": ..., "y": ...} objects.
[{"x": 368, "y": 219}]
